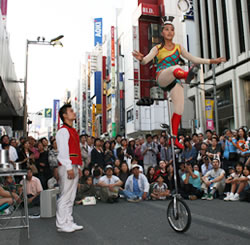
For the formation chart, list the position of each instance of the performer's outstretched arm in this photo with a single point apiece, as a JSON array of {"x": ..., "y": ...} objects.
[
  {"x": 145, "y": 60},
  {"x": 198, "y": 60}
]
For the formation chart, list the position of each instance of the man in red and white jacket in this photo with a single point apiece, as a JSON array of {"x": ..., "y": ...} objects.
[{"x": 69, "y": 171}]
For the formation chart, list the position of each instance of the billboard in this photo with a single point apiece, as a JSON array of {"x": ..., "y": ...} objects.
[
  {"x": 209, "y": 107},
  {"x": 4, "y": 7},
  {"x": 48, "y": 113},
  {"x": 97, "y": 31},
  {"x": 56, "y": 119}
]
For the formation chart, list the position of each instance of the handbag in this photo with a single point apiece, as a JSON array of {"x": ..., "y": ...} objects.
[
  {"x": 233, "y": 156},
  {"x": 89, "y": 201}
]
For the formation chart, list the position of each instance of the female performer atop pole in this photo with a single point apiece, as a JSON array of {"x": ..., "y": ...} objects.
[{"x": 168, "y": 72}]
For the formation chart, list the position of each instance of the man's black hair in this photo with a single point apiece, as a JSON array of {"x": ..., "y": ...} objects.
[
  {"x": 209, "y": 130},
  {"x": 148, "y": 135},
  {"x": 63, "y": 110},
  {"x": 194, "y": 134},
  {"x": 118, "y": 135},
  {"x": 96, "y": 139},
  {"x": 3, "y": 137}
]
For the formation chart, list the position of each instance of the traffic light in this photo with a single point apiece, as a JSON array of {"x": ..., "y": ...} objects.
[{"x": 145, "y": 102}]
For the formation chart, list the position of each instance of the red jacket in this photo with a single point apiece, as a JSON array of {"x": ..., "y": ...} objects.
[{"x": 74, "y": 146}]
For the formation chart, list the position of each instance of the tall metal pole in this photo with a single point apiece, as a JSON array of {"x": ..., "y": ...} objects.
[
  {"x": 215, "y": 102},
  {"x": 25, "y": 92}
]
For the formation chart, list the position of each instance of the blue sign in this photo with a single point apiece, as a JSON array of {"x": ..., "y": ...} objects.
[
  {"x": 98, "y": 87},
  {"x": 56, "y": 107},
  {"x": 98, "y": 31}
]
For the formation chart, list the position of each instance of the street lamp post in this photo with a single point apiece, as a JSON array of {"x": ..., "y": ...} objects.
[{"x": 53, "y": 42}]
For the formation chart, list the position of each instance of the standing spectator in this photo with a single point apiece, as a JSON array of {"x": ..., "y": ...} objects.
[
  {"x": 117, "y": 171},
  {"x": 214, "y": 149},
  {"x": 90, "y": 148},
  {"x": 243, "y": 143},
  {"x": 97, "y": 156},
  {"x": 195, "y": 142},
  {"x": 138, "y": 143},
  {"x": 230, "y": 151},
  {"x": 189, "y": 153},
  {"x": 5, "y": 145},
  {"x": 45, "y": 143},
  {"x": 149, "y": 151},
  {"x": 26, "y": 158},
  {"x": 110, "y": 185},
  {"x": 84, "y": 150},
  {"x": 137, "y": 186},
  {"x": 213, "y": 180},
  {"x": 13, "y": 143},
  {"x": 166, "y": 153},
  {"x": 201, "y": 137},
  {"x": 52, "y": 157},
  {"x": 209, "y": 135},
  {"x": 42, "y": 163},
  {"x": 109, "y": 157},
  {"x": 122, "y": 152},
  {"x": 32, "y": 148},
  {"x": 131, "y": 147},
  {"x": 118, "y": 139},
  {"x": 34, "y": 188}
]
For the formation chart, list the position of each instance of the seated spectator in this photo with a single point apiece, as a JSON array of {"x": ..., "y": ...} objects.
[
  {"x": 85, "y": 190},
  {"x": 124, "y": 173},
  {"x": 213, "y": 180},
  {"x": 85, "y": 175},
  {"x": 151, "y": 175},
  {"x": 110, "y": 185},
  {"x": 137, "y": 186},
  {"x": 181, "y": 172},
  {"x": 244, "y": 188},
  {"x": 117, "y": 171},
  {"x": 7, "y": 197},
  {"x": 214, "y": 150},
  {"x": 192, "y": 183},
  {"x": 189, "y": 153},
  {"x": 34, "y": 188},
  {"x": 206, "y": 165},
  {"x": 160, "y": 189},
  {"x": 165, "y": 171},
  {"x": 233, "y": 180},
  {"x": 202, "y": 153},
  {"x": 118, "y": 163},
  {"x": 97, "y": 173},
  {"x": 195, "y": 142}
]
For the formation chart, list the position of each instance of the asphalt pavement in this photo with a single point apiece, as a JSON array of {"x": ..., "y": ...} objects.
[{"x": 213, "y": 222}]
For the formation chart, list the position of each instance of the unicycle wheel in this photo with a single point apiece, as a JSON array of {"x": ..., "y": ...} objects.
[{"x": 179, "y": 219}]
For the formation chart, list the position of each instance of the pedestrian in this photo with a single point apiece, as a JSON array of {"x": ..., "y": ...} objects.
[
  {"x": 168, "y": 71},
  {"x": 69, "y": 171}
]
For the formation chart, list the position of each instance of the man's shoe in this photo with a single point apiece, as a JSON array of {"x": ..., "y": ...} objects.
[
  {"x": 192, "y": 197},
  {"x": 204, "y": 197},
  {"x": 229, "y": 196},
  {"x": 210, "y": 197},
  {"x": 77, "y": 227},
  {"x": 133, "y": 200},
  {"x": 66, "y": 229}
]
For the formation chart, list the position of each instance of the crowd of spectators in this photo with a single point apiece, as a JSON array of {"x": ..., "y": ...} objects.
[{"x": 210, "y": 166}]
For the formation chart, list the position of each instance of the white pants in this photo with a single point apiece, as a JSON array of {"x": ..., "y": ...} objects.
[{"x": 65, "y": 203}]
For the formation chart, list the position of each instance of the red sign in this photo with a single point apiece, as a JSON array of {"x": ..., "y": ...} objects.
[
  {"x": 150, "y": 9},
  {"x": 112, "y": 45},
  {"x": 4, "y": 7}
]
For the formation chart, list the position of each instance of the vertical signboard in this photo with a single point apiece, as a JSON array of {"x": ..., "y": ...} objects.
[
  {"x": 209, "y": 107},
  {"x": 56, "y": 118},
  {"x": 97, "y": 31},
  {"x": 113, "y": 81},
  {"x": 93, "y": 120}
]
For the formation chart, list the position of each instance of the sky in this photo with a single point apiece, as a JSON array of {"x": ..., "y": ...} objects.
[{"x": 52, "y": 70}]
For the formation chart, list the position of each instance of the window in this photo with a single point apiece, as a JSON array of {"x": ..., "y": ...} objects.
[
  {"x": 217, "y": 39},
  {"x": 240, "y": 27},
  {"x": 224, "y": 14},
  {"x": 248, "y": 7},
  {"x": 130, "y": 115}
]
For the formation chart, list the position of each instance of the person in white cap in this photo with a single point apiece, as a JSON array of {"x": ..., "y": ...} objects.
[{"x": 136, "y": 186}]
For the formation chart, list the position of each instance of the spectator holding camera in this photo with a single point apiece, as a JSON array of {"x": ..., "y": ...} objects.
[
  {"x": 149, "y": 151},
  {"x": 230, "y": 150},
  {"x": 206, "y": 166},
  {"x": 214, "y": 150},
  {"x": 242, "y": 143},
  {"x": 192, "y": 183},
  {"x": 209, "y": 135},
  {"x": 213, "y": 180}
]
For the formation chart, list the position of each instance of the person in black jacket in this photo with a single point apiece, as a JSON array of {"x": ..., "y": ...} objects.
[{"x": 97, "y": 155}]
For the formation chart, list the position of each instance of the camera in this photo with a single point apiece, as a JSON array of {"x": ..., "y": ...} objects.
[
  {"x": 226, "y": 137},
  {"x": 205, "y": 158}
]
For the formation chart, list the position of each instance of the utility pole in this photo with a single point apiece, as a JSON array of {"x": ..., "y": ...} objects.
[{"x": 215, "y": 102}]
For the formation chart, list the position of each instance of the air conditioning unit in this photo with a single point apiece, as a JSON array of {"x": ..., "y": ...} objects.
[
  {"x": 48, "y": 203},
  {"x": 156, "y": 93}
]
